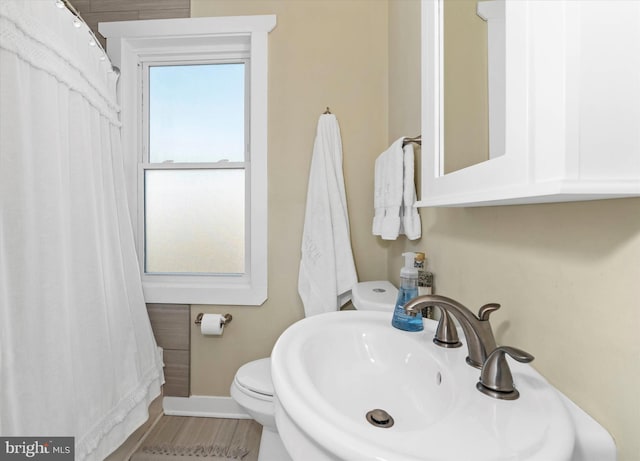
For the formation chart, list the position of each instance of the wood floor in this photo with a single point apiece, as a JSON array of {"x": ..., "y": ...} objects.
[{"x": 179, "y": 438}]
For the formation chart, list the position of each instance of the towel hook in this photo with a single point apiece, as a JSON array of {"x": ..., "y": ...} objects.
[{"x": 326, "y": 111}]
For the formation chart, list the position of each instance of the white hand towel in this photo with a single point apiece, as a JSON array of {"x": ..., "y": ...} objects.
[
  {"x": 378, "y": 195},
  {"x": 395, "y": 194},
  {"x": 411, "y": 225},
  {"x": 388, "y": 191},
  {"x": 327, "y": 271}
]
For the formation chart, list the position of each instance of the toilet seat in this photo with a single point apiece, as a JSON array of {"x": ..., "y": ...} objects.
[{"x": 254, "y": 379}]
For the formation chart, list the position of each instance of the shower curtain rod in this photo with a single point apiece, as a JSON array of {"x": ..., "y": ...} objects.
[{"x": 67, "y": 4}]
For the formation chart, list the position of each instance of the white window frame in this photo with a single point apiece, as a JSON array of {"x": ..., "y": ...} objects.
[{"x": 131, "y": 44}]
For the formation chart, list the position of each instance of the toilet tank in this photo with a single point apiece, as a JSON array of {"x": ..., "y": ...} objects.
[{"x": 377, "y": 295}]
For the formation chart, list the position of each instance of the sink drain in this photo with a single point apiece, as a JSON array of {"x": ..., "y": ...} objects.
[{"x": 379, "y": 418}]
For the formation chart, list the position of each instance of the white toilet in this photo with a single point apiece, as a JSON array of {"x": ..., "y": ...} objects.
[
  {"x": 252, "y": 387},
  {"x": 379, "y": 295}
]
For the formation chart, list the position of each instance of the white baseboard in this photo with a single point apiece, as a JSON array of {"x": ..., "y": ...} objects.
[{"x": 203, "y": 406}]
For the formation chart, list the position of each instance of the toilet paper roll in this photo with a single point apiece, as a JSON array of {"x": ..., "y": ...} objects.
[{"x": 211, "y": 325}]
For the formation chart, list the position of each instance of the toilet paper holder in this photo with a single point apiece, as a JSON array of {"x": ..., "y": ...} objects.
[{"x": 226, "y": 319}]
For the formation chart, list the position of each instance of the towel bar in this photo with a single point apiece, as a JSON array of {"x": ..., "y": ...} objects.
[{"x": 417, "y": 140}]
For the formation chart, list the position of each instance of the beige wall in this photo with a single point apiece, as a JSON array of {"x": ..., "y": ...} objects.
[
  {"x": 567, "y": 274},
  {"x": 321, "y": 53}
]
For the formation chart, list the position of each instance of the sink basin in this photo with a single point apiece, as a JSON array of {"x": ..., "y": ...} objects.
[{"x": 330, "y": 370}]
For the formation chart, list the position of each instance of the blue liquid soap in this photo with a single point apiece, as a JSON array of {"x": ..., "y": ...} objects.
[{"x": 408, "y": 290}]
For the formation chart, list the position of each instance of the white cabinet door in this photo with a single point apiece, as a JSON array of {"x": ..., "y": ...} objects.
[{"x": 567, "y": 121}]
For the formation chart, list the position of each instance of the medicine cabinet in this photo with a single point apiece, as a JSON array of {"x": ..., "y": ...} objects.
[{"x": 558, "y": 115}]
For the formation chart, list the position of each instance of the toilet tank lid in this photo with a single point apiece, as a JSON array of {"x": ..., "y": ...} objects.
[
  {"x": 374, "y": 295},
  {"x": 256, "y": 376}
]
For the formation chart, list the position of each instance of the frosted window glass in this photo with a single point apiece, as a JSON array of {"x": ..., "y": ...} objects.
[
  {"x": 195, "y": 221},
  {"x": 196, "y": 113}
]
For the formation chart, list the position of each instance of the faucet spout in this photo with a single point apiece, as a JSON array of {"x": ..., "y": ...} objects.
[{"x": 477, "y": 329}]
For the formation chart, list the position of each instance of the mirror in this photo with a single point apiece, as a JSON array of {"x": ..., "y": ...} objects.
[
  {"x": 500, "y": 159},
  {"x": 472, "y": 82}
]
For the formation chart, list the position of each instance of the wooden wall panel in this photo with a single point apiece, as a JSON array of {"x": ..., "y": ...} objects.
[
  {"x": 176, "y": 373},
  {"x": 95, "y": 11},
  {"x": 170, "y": 324}
]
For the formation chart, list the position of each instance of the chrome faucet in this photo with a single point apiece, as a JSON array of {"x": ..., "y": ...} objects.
[
  {"x": 477, "y": 330},
  {"x": 495, "y": 379}
]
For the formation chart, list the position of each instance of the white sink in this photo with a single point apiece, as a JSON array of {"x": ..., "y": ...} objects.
[{"x": 329, "y": 370}]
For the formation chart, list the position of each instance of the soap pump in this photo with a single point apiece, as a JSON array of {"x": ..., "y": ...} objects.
[{"x": 408, "y": 290}]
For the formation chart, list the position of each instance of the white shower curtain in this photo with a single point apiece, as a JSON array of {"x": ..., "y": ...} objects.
[{"x": 77, "y": 354}]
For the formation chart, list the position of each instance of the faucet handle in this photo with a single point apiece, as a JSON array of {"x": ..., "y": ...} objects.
[
  {"x": 496, "y": 379},
  {"x": 486, "y": 310},
  {"x": 446, "y": 333}
]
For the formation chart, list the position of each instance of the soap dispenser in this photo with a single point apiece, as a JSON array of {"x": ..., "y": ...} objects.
[{"x": 408, "y": 290}]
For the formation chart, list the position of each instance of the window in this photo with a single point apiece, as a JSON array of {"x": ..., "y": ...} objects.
[
  {"x": 194, "y": 168},
  {"x": 194, "y": 132}
]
